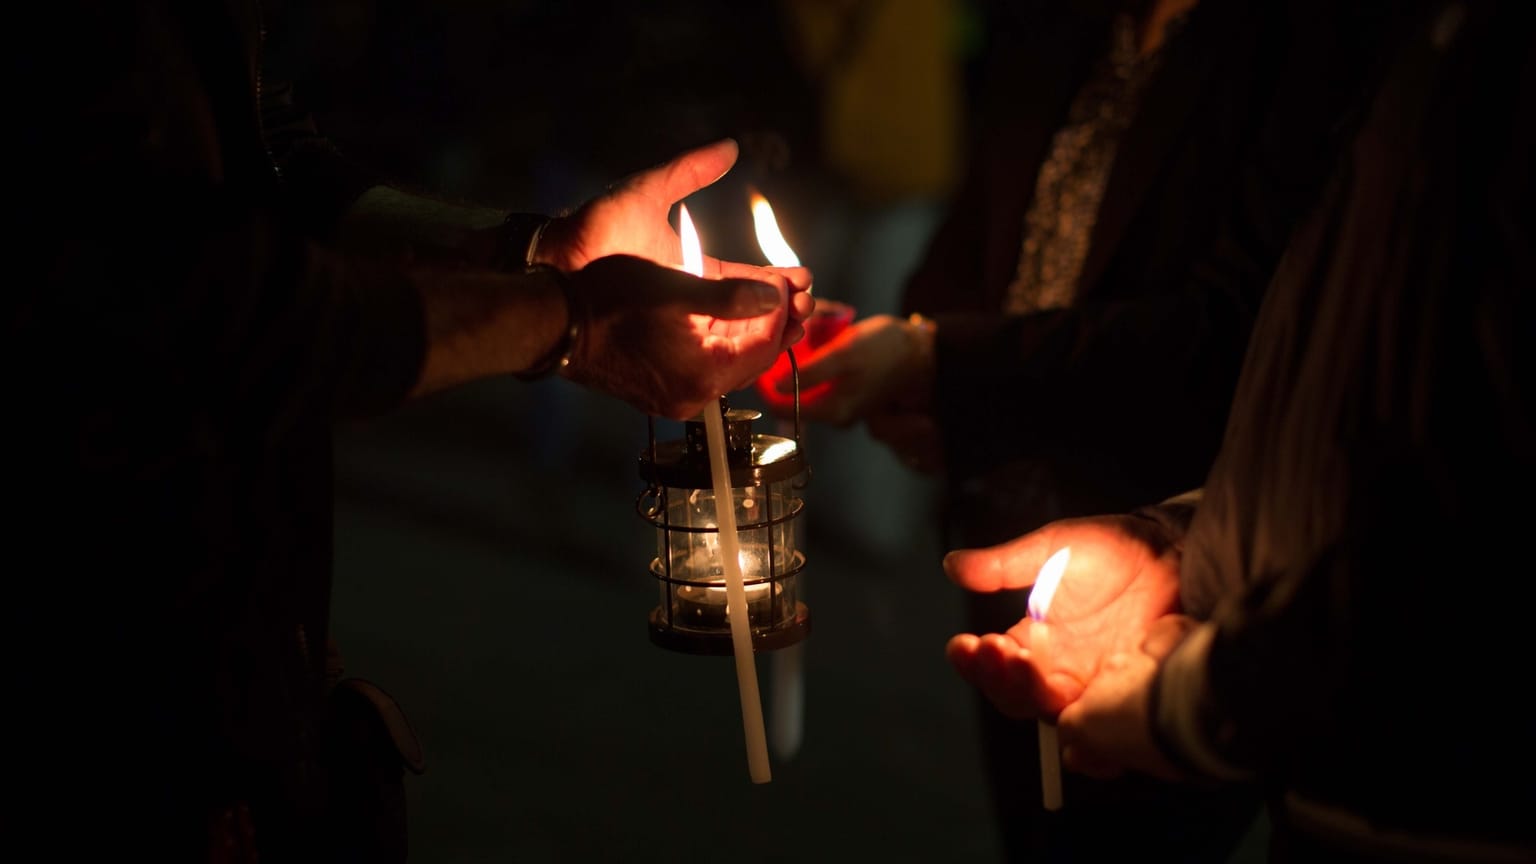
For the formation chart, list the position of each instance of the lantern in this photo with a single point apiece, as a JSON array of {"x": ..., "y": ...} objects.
[{"x": 767, "y": 473}]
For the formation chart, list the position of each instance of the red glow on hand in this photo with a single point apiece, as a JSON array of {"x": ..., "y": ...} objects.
[{"x": 829, "y": 319}]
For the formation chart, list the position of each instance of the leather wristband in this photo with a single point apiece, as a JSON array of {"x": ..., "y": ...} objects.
[{"x": 559, "y": 357}]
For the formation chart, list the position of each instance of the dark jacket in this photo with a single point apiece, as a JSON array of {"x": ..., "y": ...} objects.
[
  {"x": 1362, "y": 541},
  {"x": 1120, "y": 398},
  {"x": 181, "y": 338}
]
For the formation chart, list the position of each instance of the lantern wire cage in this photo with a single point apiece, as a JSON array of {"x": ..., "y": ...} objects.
[{"x": 767, "y": 473}]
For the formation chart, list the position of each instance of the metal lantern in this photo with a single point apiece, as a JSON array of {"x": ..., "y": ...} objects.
[{"x": 767, "y": 473}]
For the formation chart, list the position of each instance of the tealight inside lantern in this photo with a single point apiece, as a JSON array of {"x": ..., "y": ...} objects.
[{"x": 766, "y": 476}]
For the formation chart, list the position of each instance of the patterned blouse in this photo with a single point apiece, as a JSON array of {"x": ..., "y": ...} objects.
[{"x": 1058, "y": 225}]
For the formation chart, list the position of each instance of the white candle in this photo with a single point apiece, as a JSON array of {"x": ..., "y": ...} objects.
[
  {"x": 1039, "y": 601},
  {"x": 736, "y": 598},
  {"x": 730, "y": 548},
  {"x": 784, "y": 664}
]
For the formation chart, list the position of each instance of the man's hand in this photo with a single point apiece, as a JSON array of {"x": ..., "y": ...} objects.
[
  {"x": 1122, "y": 575},
  {"x": 631, "y": 218},
  {"x": 1106, "y": 732},
  {"x": 669, "y": 343}
]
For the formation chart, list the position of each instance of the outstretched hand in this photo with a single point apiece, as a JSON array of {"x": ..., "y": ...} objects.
[
  {"x": 1122, "y": 575},
  {"x": 872, "y": 364},
  {"x": 669, "y": 343}
]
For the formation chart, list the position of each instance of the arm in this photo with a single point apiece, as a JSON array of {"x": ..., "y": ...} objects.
[{"x": 1367, "y": 631}]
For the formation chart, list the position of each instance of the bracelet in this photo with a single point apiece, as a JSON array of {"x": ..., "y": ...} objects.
[
  {"x": 559, "y": 357},
  {"x": 520, "y": 235}
]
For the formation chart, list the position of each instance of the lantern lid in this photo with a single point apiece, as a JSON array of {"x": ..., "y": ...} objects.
[{"x": 753, "y": 459}]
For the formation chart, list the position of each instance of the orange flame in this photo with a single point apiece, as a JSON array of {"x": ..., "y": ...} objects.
[{"x": 769, "y": 239}]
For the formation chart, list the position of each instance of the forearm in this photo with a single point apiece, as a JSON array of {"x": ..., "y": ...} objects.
[
  {"x": 483, "y": 323},
  {"x": 424, "y": 230}
]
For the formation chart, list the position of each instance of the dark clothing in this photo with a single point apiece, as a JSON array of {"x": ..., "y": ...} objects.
[
  {"x": 180, "y": 341},
  {"x": 1360, "y": 544},
  {"x": 1231, "y": 141},
  {"x": 1119, "y": 396}
]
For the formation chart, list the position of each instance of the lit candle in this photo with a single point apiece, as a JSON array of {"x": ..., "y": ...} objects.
[
  {"x": 828, "y": 318},
  {"x": 1039, "y": 601},
  {"x": 784, "y": 665},
  {"x": 769, "y": 239},
  {"x": 707, "y": 606},
  {"x": 730, "y": 551}
]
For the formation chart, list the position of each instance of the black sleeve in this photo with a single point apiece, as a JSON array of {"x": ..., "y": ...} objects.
[{"x": 1133, "y": 376}]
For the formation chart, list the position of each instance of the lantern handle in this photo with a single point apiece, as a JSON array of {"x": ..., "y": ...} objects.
[
  {"x": 656, "y": 496},
  {"x": 794, "y": 373}
]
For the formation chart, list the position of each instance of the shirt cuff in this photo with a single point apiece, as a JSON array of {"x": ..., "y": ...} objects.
[{"x": 1183, "y": 718}]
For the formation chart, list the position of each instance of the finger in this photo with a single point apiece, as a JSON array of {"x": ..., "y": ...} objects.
[
  {"x": 802, "y": 304},
  {"x": 728, "y": 299},
  {"x": 684, "y": 175},
  {"x": 1013, "y": 564},
  {"x": 961, "y": 651},
  {"x": 794, "y": 331},
  {"x": 1007, "y": 675},
  {"x": 797, "y": 279}
]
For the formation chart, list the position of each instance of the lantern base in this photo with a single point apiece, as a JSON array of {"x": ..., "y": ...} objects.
[{"x": 717, "y": 643}]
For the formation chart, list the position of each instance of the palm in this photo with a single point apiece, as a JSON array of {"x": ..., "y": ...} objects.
[
  {"x": 1121, "y": 578},
  {"x": 623, "y": 221}
]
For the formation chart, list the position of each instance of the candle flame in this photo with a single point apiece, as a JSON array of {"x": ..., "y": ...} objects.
[
  {"x": 693, "y": 254},
  {"x": 769, "y": 239},
  {"x": 1047, "y": 582}
]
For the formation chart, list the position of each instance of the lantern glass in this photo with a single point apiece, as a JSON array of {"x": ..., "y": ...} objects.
[
  {"x": 693, "y": 613},
  {"x": 695, "y": 593}
]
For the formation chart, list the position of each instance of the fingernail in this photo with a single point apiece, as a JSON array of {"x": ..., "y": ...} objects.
[{"x": 766, "y": 297}]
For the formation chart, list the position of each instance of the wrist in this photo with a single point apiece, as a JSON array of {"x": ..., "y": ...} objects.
[
  {"x": 519, "y": 241},
  {"x": 557, "y": 359}
]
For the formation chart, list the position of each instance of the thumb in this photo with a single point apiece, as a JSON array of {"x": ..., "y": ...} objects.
[
  {"x": 1013, "y": 564},
  {"x": 675, "y": 180},
  {"x": 734, "y": 299},
  {"x": 727, "y": 298}
]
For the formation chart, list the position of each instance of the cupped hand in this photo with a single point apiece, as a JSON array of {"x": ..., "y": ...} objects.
[
  {"x": 669, "y": 343},
  {"x": 1123, "y": 573},
  {"x": 631, "y": 218},
  {"x": 1107, "y": 731}
]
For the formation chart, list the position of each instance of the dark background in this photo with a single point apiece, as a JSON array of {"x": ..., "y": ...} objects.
[{"x": 491, "y": 568}]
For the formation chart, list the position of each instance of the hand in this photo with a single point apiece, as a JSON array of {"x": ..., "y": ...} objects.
[
  {"x": 1106, "y": 732},
  {"x": 669, "y": 343},
  {"x": 874, "y": 363},
  {"x": 1122, "y": 575},
  {"x": 630, "y": 218}
]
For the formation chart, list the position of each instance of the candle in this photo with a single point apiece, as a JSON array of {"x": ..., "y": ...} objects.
[
  {"x": 725, "y": 517},
  {"x": 769, "y": 239},
  {"x": 706, "y": 606},
  {"x": 1040, "y": 596},
  {"x": 784, "y": 665}
]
